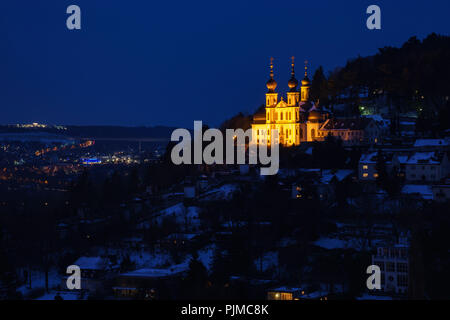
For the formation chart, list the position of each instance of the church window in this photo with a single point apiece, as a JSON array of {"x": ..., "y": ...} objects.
[
  {"x": 313, "y": 133},
  {"x": 281, "y": 116}
]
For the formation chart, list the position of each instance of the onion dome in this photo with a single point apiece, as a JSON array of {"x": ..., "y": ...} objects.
[
  {"x": 305, "y": 81},
  {"x": 271, "y": 84},
  {"x": 293, "y": 82},
  {"x": 314, "y": 115}
]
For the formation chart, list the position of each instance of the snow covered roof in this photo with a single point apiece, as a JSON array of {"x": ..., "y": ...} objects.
[
  {"x": 91, "y": 263},
  {"x": 286, "y": 289},
  {"x": 424, "y": 158},
  {"x": 369, "y": 158},
  {"x": 379, "y": 119},
  {"x": 430, "y": 143},
  {"x": 430, "y": 157},
  {"x": 402, "y": 159},
  {"x": 341, "y": 174},
  {"x": 423, "y": 190},
  {"x": 225, "y": 192},
  {"x": 182, "y": 236},
  {"x": 158, "y": 273}
]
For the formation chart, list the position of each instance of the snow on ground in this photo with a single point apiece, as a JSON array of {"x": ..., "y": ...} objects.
[
  {"x": 224, "y": 192},
  {"x": 269, "y": 260},
  {"x": 92, "y": 263},
  {"x": 38, "y": 281},
  {"x": 234, "y": 224},
  {"x": 159, "y": 272},
  {"x": 144, "y": 259},
  {"x": 183, "y": 216},
  {"x": 206, "y": 256},
  {"x": 423, "y": 190},
  {"x": 65, "y": 295},
  {"x": 334, "y": 243}
]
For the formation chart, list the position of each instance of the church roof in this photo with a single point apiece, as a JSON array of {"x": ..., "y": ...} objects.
[
  {"x": 346, "y": 124},
  {"x": 281, "y": 104},
  {"x": 305, "y": 106},
  {"x": 259, "y": 117}
]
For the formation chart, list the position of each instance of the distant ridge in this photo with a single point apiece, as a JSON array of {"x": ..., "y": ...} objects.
[{"x": 98, "y": 132}]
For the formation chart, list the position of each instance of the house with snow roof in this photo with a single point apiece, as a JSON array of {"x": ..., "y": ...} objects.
[
  {"x": 429, "y": 166},
  {"x": 414, "y": 166},
  {"x": 93, "y": 270},
  {"x": 431, "y": 145},
  {"x": 149, "y": 283}
]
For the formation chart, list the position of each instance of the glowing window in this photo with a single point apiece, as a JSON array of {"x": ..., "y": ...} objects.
[
  {"x": 365, "y": 175},
  {"x": 365, "y": 167}
]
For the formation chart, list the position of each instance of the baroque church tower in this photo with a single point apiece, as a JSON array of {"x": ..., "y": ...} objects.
[{"x": 288, "y": 117}]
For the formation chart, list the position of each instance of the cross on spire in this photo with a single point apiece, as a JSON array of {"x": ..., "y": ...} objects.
[
  {"x": 293, "y": 64},
  {"x": 271, "y": 67}
]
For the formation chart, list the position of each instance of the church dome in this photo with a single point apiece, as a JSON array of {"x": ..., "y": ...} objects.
[
  {"x": 305, "y": 81},
  {"x": 314, "y": 115},
  {"x": 271, "y": 85},
  {"x": 293, "y": 83}
]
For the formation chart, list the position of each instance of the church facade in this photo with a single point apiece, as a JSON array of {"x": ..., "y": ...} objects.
[{"x": 298, "y": 119}]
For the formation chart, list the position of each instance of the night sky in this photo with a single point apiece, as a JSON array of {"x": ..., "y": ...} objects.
[{"x": 173, "y": 62}]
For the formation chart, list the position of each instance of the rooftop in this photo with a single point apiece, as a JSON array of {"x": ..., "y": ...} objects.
[{"x": 91, "y": 263}]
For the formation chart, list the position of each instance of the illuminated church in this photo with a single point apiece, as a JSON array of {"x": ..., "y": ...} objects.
[{"x": 298, "y": 119}]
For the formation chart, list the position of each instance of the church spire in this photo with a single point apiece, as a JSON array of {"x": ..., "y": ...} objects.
[
  {"x": 271, "y": 68},
  {"x": 305, "y": 85},
  {"x": 293, "y": 82},
  {"x": 271, "y": 84},
  {"x": 306, "y": 69}
]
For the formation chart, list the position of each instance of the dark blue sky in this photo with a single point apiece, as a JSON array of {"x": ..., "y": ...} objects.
[{"x": 172, "y": 62}]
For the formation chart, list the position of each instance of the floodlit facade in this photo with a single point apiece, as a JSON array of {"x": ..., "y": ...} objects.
[{"x": 298, "y": 119}]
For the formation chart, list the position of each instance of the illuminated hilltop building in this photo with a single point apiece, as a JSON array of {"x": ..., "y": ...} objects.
[{"x": 299, "y": 119}]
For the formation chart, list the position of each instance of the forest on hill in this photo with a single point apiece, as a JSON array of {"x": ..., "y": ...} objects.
[{"x": 413, "y": 77}]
